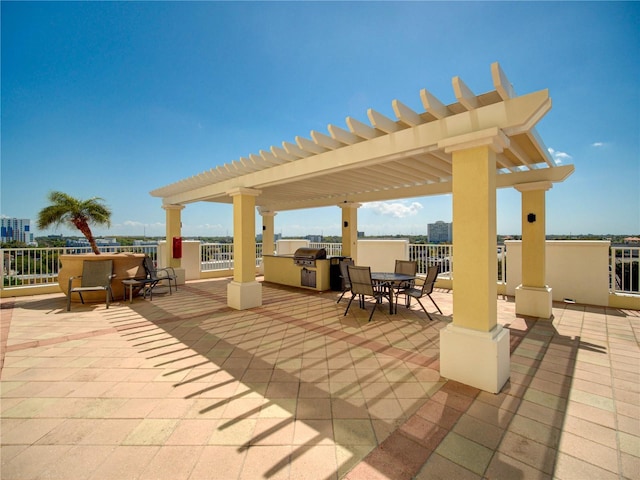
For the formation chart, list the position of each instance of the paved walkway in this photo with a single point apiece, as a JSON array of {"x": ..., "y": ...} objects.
[{"x": 183, "y": 387}]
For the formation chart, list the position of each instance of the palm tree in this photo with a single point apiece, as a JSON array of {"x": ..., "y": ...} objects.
[{"x": 65, "y": 209}]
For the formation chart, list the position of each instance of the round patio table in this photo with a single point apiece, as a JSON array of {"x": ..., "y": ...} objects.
[{"x": 392, "y": 281}]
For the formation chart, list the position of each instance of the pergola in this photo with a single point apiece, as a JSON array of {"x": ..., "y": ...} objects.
[{"x": 469, "y": 148}]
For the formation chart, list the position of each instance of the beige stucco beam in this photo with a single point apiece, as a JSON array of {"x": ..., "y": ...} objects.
[{"x": 553, "y": 175}]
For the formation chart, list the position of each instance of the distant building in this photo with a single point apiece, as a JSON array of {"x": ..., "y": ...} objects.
[
  {"x": 314, "y": 238},
  {"x": 16, "y": 229},
  {"x": 148, "y": 247},
  {"x": 105, "y": 244},
  {"x": 440, "y": 232}
]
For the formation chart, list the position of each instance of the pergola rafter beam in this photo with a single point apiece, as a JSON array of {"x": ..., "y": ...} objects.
[
  {"x": 405, "y": 114},
  {"x": 464, "y": 95},
  {"x": 434, "y": 106},
  {"x": 382, "y": 123}
]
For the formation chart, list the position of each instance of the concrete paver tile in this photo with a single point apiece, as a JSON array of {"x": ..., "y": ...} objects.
[
  {"x": 171, "y": 463},
  {"x": 78, "y": 463},
  {"x": 441, "y": 468},
  {"x": 31, "y": 462},
  {"x": 236, "y": 433},
  {"x": 593, "y": 414},
  {"x": 123, "y": 460},
  {"x": 479, "y": 431},
  {"x": 629, "y": 444},
  {"x": 266, "y": 461},
  {"x": 151, "y": 431},
  {"x": 572, "y": 468},
  {"x": 466, "y": 453},
  {"x": 312, "y": 463},
  {"x": 536, "y": 431},
  {"x": 630, "y": 465},
  {"x": 313, "y": 432},
  {"x": 529, "y": 452},
  {"x": 586, "y": 429},
  {"x": 504, "y": 466},
  {"x": 26, "y": 431},
  {"x": 353, "y": 432}
]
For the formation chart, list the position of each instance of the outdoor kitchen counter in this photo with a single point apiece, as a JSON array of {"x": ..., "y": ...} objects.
[{"x": 282, "y": 269}]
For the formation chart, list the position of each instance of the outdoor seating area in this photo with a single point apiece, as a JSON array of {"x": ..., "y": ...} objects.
[
  {"x": 153, "y": 277},
  {"x": 185, "y": 386}
]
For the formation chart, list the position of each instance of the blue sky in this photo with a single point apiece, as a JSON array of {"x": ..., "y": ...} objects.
[{"x": 116, "y": 99}]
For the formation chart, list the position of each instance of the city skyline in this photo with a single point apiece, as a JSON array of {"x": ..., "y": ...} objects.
[{"x": 127, "y": 97}]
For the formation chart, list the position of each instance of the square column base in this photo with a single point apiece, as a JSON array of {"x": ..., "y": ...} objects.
[
  {"x": 244, "y": 295},
  {"x": 478, "y": 359},
  {"x": 534, "y": 301}
]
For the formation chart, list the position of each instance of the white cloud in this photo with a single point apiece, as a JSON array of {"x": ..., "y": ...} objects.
[
  {"x": 597, "y": 144},
  {"x": 559, "y": 157},
  {"x": 394, "y": 209}
]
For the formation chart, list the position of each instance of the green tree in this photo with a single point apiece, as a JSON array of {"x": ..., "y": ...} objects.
[{"x": 65, "y": 209}]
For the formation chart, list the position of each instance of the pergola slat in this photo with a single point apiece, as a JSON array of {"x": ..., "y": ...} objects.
[
  {"x": 405, "y": 114},
  {"x": 326, "y": 141},
  {"x": 295, "y": 150},
  {"x": 309, "y": 146},
  {"x": 464, "y": 95},
  {"x": 343, "y": 136},
  {"x": 501, "y": 83},
  {"x": 381, "y": 122},
  {"x": 282, "y": 154},
  {"x": 432, "y": 105},
  {"x": 362, "y": 130}
]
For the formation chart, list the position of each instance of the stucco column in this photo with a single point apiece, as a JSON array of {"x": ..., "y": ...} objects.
[
  {"x": 474, "y": 349},
  {"x": 533, "y": 296},
  {"x": 244, "y": 291},
  {"x": 350, "y": 230},
  {"x": 173, "y": 230},
  {"x": 268, "y": 232}
]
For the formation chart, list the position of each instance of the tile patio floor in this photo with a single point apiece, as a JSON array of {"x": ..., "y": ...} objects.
[{"x": 183, "y": 387}]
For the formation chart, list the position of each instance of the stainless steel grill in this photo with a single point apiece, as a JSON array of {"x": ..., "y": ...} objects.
[{"x": 306, "y": 257}]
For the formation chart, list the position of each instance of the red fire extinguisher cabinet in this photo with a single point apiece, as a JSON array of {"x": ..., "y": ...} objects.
[{"x": 177, "y": 247}]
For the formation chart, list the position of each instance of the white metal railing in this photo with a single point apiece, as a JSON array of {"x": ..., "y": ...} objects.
[
  {"x": 333, "y": 249},
  {"x": 219, "y": 256},
  {"x": 427, "y": 255},
  {"x": 40, "y": 266},
  {"x": 216, "y": 256},
  {"x": 624, "y": 270}
]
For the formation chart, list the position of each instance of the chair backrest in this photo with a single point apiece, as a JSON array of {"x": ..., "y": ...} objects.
[
  {"x": 430, "y": 280},
  {"x": 96, "y": 273},
  {"x": 345, "y": 272},
  {"x": 406, "y": 267},
  {"x": 360, "y": 278},
  {"x": 149, "y": 267}
]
